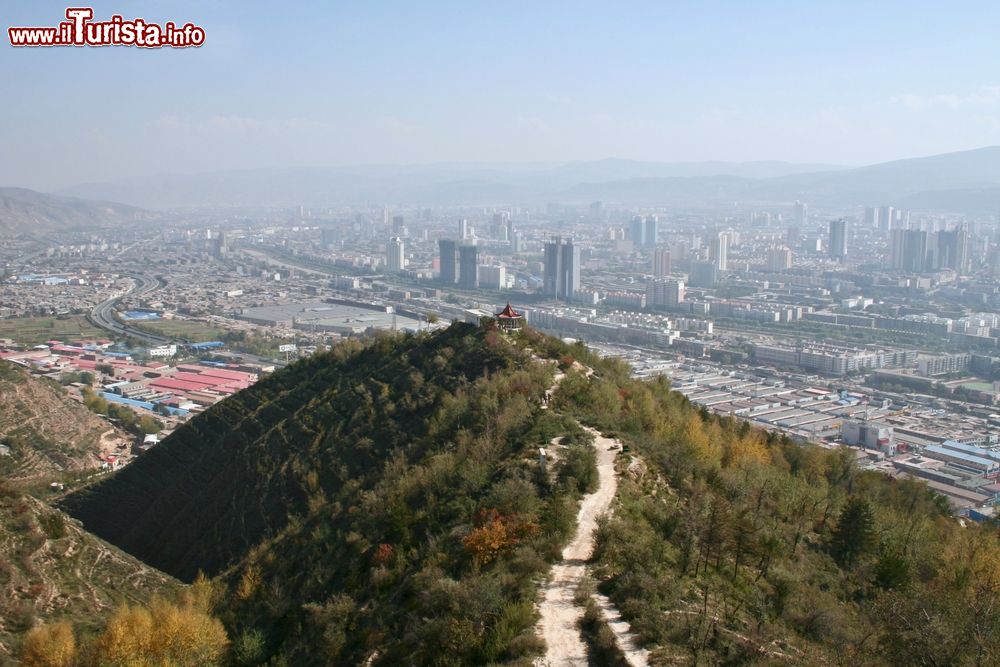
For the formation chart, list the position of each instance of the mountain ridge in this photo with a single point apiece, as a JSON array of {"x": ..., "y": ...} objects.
[
  {"x": 24, "y": 211},
  {"x": 613, "y": 180}
]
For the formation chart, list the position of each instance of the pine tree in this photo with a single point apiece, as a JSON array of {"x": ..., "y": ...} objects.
[{"x": 854, "y": 533}]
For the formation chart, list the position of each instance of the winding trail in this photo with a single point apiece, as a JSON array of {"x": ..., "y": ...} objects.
[{"x": 559, "y": 624}]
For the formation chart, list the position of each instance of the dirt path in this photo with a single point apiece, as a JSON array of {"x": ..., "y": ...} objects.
[{"x": 560, "y": 615}]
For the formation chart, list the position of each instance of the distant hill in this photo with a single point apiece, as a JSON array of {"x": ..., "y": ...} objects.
[
  {"x": 613, "y": 181},
  {"x": 891, "y": 181},
  {"x": 956, "y": 182},
  {"x": 47, "y": 432},
  {"x": 432, "y": 184},
  {"x": 28, "y": 212},
  {"x": 975, "y": 201}
]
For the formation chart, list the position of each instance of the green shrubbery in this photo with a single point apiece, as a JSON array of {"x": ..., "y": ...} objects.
[
  {"x": 383, "y": 498},
  {"x": 738, "y": 546},
  {"x": 385, "y": 501}
]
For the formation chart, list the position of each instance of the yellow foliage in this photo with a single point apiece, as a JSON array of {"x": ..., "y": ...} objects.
[
  {"x": 202, "y": 595},
  {"x": 165, "y": 634},
  {"x": 248, "y": 583},
  {"x": 974, "y": 559},
  {"x": 748, "y": 449},
  {"x": 704, "y": 441},
  {"x": 49, "y": 646},
  {"x": 495, "y": 536}
]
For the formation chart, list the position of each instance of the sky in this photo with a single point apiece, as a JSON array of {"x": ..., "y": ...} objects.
[{"x": 291, "y": 84}]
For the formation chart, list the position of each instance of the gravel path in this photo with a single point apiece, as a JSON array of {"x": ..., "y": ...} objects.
[{"x": 560, "y": 616}]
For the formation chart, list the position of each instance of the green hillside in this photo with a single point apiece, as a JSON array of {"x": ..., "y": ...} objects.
[
  {"x": 384, "y": 503},
  {"x": 731, "y": 545},
  {"x": 383, "y": 499}
]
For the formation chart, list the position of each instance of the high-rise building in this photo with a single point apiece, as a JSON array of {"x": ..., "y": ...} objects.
[
  {"x": 838, "y": 239},
  {"x": 801, "y": 213},
  {"x": 329, "y": 237},
  {"x": 515, "y": 241},
  {"x": 952, "y": 250},
  {"x": 792, "y": 236},
  {"x": 886, "y": 218},
  {"x": 664, "y": 293},
  {"x": 779, "y": 259},
  {"x": 597, "y": 211},
  {"x": 703, "y": 274},
  {"x": 718, "y": 252},
  {"x": 397, "y": 225},
  {"x": 637, "y": 232},
  {"x": 500, "y": 228},
  {"x": 651, "y": 232},
  {"x": 871, "y": 217},
  {"x": 661, "y": 262},
  {"x": 395, "y": 259},
  {"x": 449, "y": 268},
  {"x": 463, "y": 229},
  {"x": 468, "y": 266},
  {"x": 902, "y": 219},
  {"x": 562, "y": 269},
  {"x": 493, "y": 276},
  {"x": 908, "y": 250},
  {"x": 217, "y": 245}
]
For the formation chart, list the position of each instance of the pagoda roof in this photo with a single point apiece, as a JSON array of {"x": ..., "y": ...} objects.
[{"x": 509, "y": 313}]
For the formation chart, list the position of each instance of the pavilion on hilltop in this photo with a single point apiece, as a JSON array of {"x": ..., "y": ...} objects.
[{"x": 509, "y": 320}]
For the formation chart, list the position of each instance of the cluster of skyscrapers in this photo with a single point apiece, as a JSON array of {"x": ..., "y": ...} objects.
[
  {"x": 459, "y": 264},
  {"x": 562, "y": 269},
  {"x": 918, "y": 251},
  {"x": 643, "y": 232}
]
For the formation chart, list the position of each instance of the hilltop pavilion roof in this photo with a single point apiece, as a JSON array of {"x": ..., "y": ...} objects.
[{"x": 509, "y": 313}]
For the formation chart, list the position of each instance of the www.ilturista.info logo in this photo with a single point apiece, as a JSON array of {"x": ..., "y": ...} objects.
[{"x": 80, "y": 30}]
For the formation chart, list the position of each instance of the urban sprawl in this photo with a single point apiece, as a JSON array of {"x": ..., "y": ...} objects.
[{"x": 873, "y": 328}]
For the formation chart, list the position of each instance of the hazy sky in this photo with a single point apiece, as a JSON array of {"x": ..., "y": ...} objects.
[{"x": 365, "y": 81}]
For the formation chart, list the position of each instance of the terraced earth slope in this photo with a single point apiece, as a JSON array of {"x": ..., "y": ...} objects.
[{"x": 45, "y": 431}]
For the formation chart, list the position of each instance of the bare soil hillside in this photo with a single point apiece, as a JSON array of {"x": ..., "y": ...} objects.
[
  {"x": 51, "y": 570},
  {"x": 47, "y": 432}
]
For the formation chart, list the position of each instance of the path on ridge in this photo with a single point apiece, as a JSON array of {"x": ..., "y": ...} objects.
[{"x": 560, "y": 615}]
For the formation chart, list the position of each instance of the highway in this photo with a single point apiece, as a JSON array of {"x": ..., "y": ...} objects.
[{"x": 102, "y": 315}]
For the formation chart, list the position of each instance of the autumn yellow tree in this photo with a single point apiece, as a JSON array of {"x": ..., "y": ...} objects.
[
  {"x": 49, "y": 646},
  {"x": 165, "y": 634},
  {"x": 703, "y": 440},
  {"x": 746, "y": 449}
]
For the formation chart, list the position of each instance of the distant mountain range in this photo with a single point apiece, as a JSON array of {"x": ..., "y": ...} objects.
[
  {"x": 25, "y": 211},
  {"x": 963, "y": 182},
  {"x": 431, "y": 184},
  {"x": 967, "y": 181}
]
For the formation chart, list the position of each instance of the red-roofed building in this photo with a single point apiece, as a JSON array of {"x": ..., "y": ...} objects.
[
  {"x": 509, "y": 320},
  {"x": 177, "y": 385}
]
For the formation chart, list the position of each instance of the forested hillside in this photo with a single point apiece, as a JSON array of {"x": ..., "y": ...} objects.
[
  {"x": 380, "y": 501},
  {"x": 731, "y": 545},
  {"x": 385, "y": 503}
]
